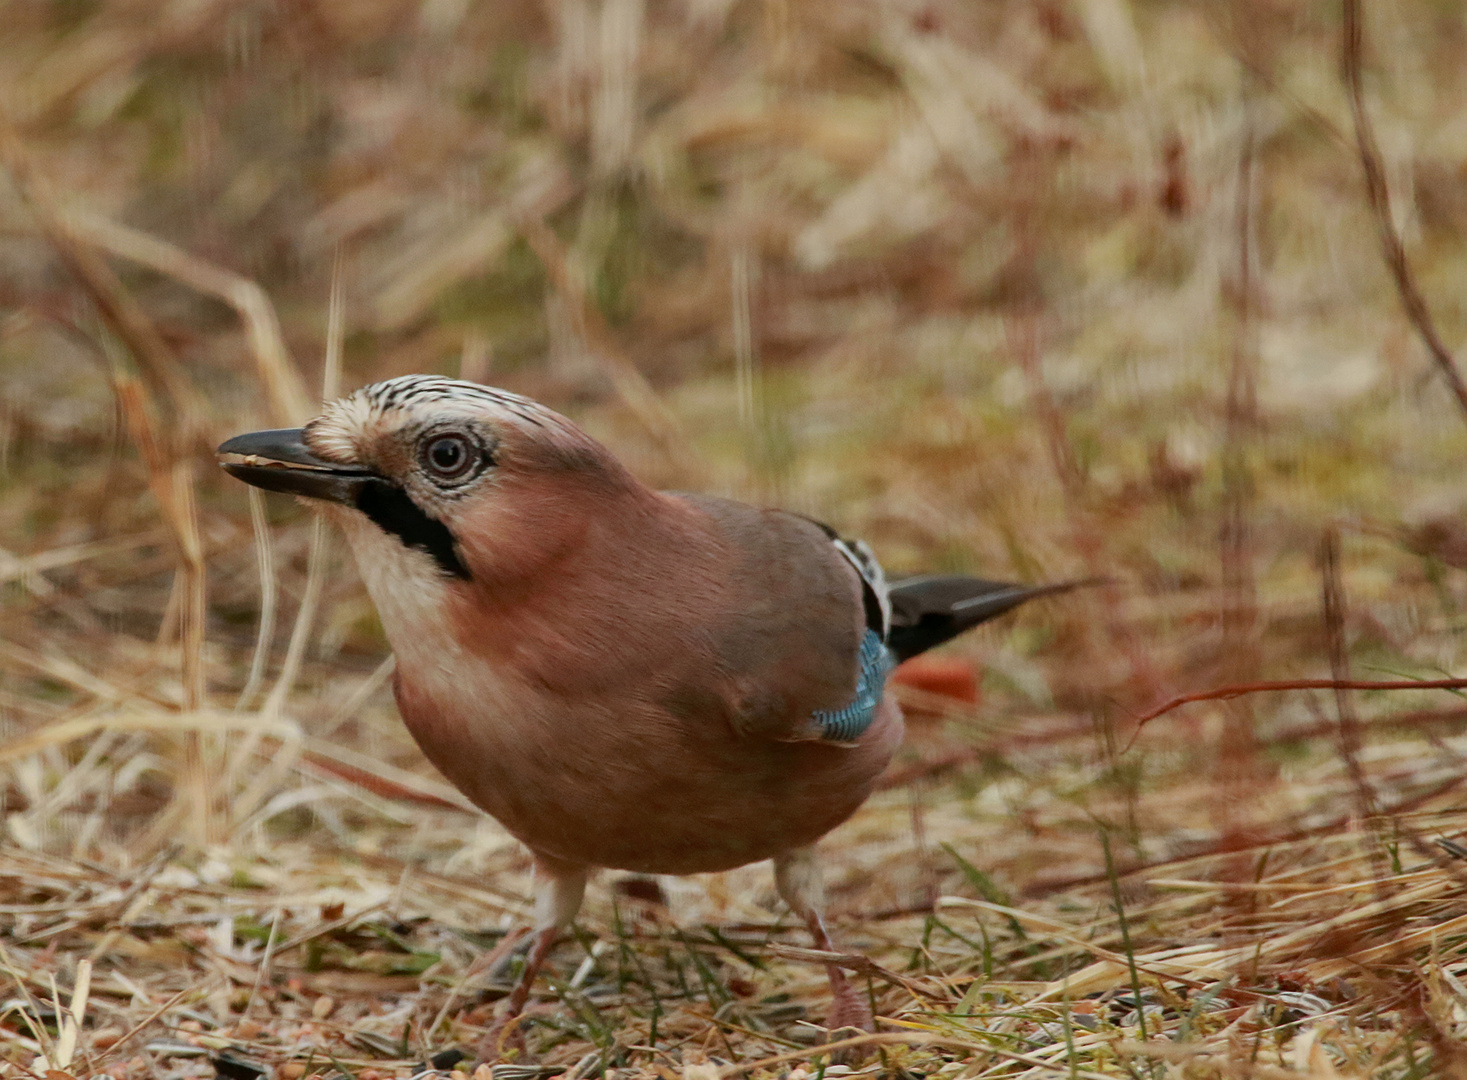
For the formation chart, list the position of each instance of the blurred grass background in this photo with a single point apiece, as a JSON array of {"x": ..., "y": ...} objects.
[{"x": 1031, "y": 290}]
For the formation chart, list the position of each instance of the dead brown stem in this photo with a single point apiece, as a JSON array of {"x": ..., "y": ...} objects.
[
  {"x": 1333, "y": 602},
  {"x": 1339, "y": 663},
  {"x": 855, "y": 962},
  {"x": 289, "y": 401},
  {"x": 1227, "y": 693},
  {"x": 1023, "y": 329},
  {"x": 1259, "y": 841},
  {"x": 630, "y": 384},
  {"x": 171, "y": 482},
  {"x": 119, "y": 310},
  {"x": 902, "y": 1038},
  {"x": 1240, "y": 657},
  {"x": 1379, "y": 195}
]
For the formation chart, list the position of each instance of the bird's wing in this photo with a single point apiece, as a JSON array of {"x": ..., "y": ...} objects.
[
  {"x": 811, "y": 628},
  {"x": 847, "y": 724},
  {"x": 875, "y": 593},
  {"x": 933, "y": 608},
  {"x": 790, "y": 640}
]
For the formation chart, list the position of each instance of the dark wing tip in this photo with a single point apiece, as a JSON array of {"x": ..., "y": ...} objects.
[{"x": 929, "y": 610}]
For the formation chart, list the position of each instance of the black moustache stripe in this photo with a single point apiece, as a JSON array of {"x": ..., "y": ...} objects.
[{"x": 390, "y": 508}]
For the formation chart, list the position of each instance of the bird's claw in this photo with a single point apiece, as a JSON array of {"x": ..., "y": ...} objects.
[
  {"x": 505, "y": 1042},
  {"x": 850, "y": 1015}
]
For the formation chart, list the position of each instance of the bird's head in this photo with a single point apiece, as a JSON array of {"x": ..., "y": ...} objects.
[{"x": 471, "y": 477}]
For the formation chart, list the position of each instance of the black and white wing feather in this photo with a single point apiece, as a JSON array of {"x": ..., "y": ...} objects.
[
  {"x": 908, "y": 617},
  {"x": 875, "y": 593}
]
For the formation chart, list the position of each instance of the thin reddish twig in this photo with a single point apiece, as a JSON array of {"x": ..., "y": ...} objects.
[{"x": 1227, "y": 693}]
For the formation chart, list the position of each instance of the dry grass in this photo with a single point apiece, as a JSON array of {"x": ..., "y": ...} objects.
[{"x": 1041, "y": 289}]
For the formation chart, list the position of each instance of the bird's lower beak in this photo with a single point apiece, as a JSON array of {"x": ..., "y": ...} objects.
[{"x": 281, "y": 461}]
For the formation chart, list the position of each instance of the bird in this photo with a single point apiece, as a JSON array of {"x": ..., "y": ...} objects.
[{"x": 625, "y": 678}]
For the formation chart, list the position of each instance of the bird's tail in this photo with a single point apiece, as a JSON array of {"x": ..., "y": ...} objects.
[{"x": 933, "y": 608}]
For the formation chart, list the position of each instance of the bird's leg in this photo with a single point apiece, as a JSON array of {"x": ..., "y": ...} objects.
[
  {"x": 797, "y": 877},
  {"x": 559, "y": 887}
]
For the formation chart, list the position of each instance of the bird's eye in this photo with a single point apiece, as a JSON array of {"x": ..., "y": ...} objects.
[{"x": 448, "y": 457}]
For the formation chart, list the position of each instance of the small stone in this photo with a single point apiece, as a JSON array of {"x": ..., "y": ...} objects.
[
  {"x": 323, "y": 1006},
  {"x": 229, "y": 1067},
  {"x": 447, "y": 1059},
  {"x": 291, "y": 1070}
]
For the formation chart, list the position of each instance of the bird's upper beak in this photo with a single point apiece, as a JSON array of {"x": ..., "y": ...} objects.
[{"x": 280, "y": 461}]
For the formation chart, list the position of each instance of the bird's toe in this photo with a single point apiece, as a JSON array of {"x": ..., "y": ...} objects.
[
  {"x": 505, "y": 1043},
  {"x": 850, "y": 1015}
]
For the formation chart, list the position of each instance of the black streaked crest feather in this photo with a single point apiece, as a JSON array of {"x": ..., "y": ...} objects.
[{"x": 406, "y": 391}]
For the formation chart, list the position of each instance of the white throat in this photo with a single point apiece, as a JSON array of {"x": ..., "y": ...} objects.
[{"x": 411, "y": 596}]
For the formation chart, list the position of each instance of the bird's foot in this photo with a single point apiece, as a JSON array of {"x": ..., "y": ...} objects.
[
  {"x": 505, "y": 1042},
  {"x": 850, "y": 1015},
  {"x": 849, "y": 1010}
]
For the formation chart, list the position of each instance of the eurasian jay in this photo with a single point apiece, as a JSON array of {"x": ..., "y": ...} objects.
[{"x": 649, "y": 681}]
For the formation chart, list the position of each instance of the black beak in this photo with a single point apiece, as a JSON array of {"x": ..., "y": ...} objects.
[{"x": 280, "y": 461}]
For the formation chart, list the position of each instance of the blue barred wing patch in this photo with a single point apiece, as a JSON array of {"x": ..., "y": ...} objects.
[{"x": 848, "y": 724}]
